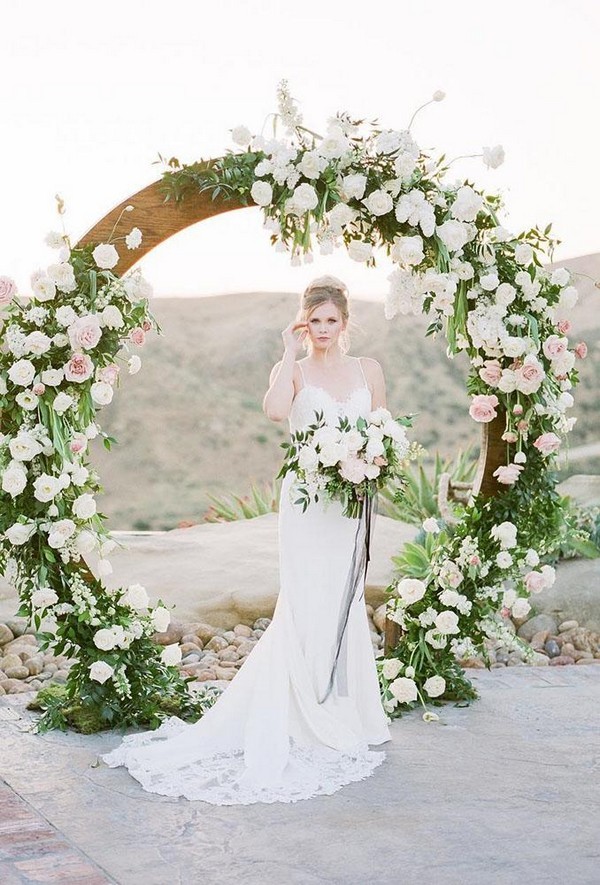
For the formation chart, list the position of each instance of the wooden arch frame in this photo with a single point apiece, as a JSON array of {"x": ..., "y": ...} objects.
[{"x": 159, "y": 220}]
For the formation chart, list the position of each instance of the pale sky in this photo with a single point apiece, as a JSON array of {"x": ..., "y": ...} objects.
[{"x": 91, "y": 93}]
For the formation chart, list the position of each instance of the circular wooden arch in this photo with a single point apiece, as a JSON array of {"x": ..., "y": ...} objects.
[{"x": 159, "y": 220}]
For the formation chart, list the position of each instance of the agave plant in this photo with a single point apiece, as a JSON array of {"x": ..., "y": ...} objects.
[
  {"x": 262, "y": 499},
  {"x": 418, "y": 498}
]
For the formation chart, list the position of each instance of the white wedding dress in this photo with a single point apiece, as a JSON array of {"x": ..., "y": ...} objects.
[{"x": 282, "y": 730}]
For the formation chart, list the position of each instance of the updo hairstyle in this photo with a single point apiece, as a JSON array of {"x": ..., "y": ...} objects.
[{"x": 320, "y": 291}]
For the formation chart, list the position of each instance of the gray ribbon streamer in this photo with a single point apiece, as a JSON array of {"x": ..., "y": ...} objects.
[{"x": 356, "y": 572}]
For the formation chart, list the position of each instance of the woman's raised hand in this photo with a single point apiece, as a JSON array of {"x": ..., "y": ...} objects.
[{"x": 294, "y": 336}]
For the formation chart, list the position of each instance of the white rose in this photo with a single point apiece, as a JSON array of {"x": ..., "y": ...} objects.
[
  {"x": 467, "y": 204},
  {"x": 63, "y": 276},
  {"x": 85, "y": 541},
  {"x": 391, "y": 668},
  {"x": 52, "y": 377},
  {"x": 379, "y": 416},
  {"x": 46, "y": 487},
  {"x": 372, "y": 471},
  {"x": 331, "y": 453},
  {"x": 308, "y": 458},
  {"x": 311, "y": 165},
  {"x": 447, "y": 622},
  {"x": 134, "y": 364},
  {"x": 105, "y": 639},
  {"x": 379, "y": 202},
  {"x": 411, "y": 590},
  {"x": 112, "y": 317},
  {"x": 14, "y": 480},
  {"x": 489, "y": 281},
  {"x": 493, "y": 156},
  {"x": 340, "y": 216},
  {"x": 454, "y": 234},
  {"x": 22, "y": 372},
  {"x": 101, "y": 393},
  {"x": 161, "y": 618},
  {"x": 523, "y": 254},
  {"x": 241, "y": 135},
  {"x": 54, "y": 239},
  {"x": 353, "y": 186},
  {"x": 404, "y": 690},
  {"x": 520, "y": 608},
  {"x": 43, "y": 288},
  {"x": 84, "y": 507},
  {"x": 505, "y": 294},
  {"x": 79, "y": 475},
  {"x": 305, "y": 198},
  {"x": 374, "y": 448},
  {"x": 408, "y": 251},
  {"x": 560, "y": 277},
  {"x": 100, "y": 671},
  {"x": 136, "y": 597},
  {"x": 24, "y": 447},
  {"x": 359, "y": 251},
  {"x": 27, "y": 400},
  {"x": 506, "y": 534},
  {"x": 171, "y": 655},
  {"x": 262, "y": 193},
  {"x": 435, "y": 686},
  {"x": 62, "y": 401},
  {"x": 430, "y": 525},
  {"x": 20, "y": 532},
  {"x": 37, "y": 342},
  {"x": 60, "y": 339},
  {"x": 105, "y": 255},
  {"x": 504, "y": 559}
]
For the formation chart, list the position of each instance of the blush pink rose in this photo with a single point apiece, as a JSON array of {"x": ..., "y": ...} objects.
[
  {"x": 108, "y": 373},
  {"x": 8, "y": 288},
  {"x": 353, "y": 469},
  {"x": 564, "y": 327},
  {"x": 508, "y": 473},
  {"x": 146, "y": 325},
  {"x": 491, "y": 372},
  {"x": 581, "y": 350},
  {"x": 78, "y": 443},
  {"x": 483, "y": 408},
  {"x": 474, "y": 560},
  {"x": 529, "y": 377},
  {"x": 85, "y": 332},
  {"x": 547, "y": 443},
  {"x": 39, "y": 388},
  {"x": 517, "y": 409},
  {"x": 535, "y": 582},
  {"x": 522, "y": 426},
  {"x": 554, "y": 346},
  {"x": 510, "y": 436},
  {"x": 137, "y": 335},
  {"x": 79, "y": 368}
]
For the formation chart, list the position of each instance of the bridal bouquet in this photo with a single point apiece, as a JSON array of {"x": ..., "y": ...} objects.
[{"x": 349, "y": 462}]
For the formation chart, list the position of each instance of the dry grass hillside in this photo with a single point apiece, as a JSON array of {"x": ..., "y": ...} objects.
[{"x": 191, "y": 422}]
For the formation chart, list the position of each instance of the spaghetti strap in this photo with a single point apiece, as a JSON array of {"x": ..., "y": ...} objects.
[
  {"x": 363, "y": 372},
  {"x": 302, "y": 373}
]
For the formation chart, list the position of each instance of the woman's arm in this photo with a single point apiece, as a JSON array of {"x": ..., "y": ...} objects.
[
  {"x": 376, "y": 381},
  {"x": 278, "y": 399}
]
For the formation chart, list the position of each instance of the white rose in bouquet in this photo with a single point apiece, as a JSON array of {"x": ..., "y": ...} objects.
[
  {"x": 408, "y": 250},
  {"x": 305, "y": 198},
  {"x": 106, "y": 638},
  {"x": 52, "y": 377},
  {"x": 63, "y": 276},
  {"x": 506, "y": 534},
  {"x": 447, "y": 622},
  {"x": 391, "y": 667},
  {"x": 262, "y": 193},
  {"x": 101, "y": 392},
  {"x": 22, "y": 372},
  {"x": 136, "y": 597},
  {"x": 61, "y": 531},
  {"x": 79, "y": 475},
  {"x": 24, "y": 447},
  {"x": 340, "y": 217},
  {"x": 372, "y": 471},
  {"x": 374, "y": 448},
  {"x": 404, "y": 690},
  {"x": 411, "y": 590},
  {"x": 134, "y": 238},
  {"x": 353, "y": 186},
  {"x": 171, "y": 655},
  {"x": 453, "y": 234},
  {"x": 353, "y": 469},
  {"x": 62, "y": 401},
  {"x": 435, "y": 686},
  {"x": 14, "y": 480},
  {"x": 134, "y": 364},
  {"x": 308, "y": 458},
  {"x": 46, "y": 487},
  {"x": 524, "y": 254},
  {"x": 467, "y": 204},
  {"x": 84, "y": 507},
  {"x": 161, "y": 618},
  {"x": 326, "y": 434},
  {"x": 37, "y": 343},
  {"x": 112, "y": 317},
  {"x": 43, "y": 288},
  {"x": 379, "y": 416},
  {"x": 20, "y": 532},
  {"x": 100, "y": 671},
  {"x": 106, "y": 256},
  {"x": 311, "y": 165},
  {"x": 353, "y": 440},
  {"x": 331, "y": 453},
  {"x": 85, "y": 541},
  {"x": 379, "y": 202}
]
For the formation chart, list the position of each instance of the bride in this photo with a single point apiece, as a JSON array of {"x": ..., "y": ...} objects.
[{"x": 297, "y": 719}]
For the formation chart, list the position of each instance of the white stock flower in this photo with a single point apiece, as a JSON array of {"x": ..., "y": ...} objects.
[
  {"x": 100, "y": 671},
  {"x": 106, "y": 256}
]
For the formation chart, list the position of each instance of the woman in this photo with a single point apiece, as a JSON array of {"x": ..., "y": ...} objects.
[{"x": 297, "y": 719}]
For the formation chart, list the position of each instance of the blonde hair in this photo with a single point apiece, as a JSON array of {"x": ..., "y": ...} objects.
[{"x": 320, "y": 291}]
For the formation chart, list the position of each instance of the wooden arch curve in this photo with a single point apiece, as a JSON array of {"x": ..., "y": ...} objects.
[{"x": 159, "y": 220}]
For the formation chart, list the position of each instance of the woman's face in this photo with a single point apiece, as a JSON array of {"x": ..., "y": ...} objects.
[{"x": 325, "y": 325}]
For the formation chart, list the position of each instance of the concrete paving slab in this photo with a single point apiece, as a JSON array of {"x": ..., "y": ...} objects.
[{"x": 497, "y": 792}]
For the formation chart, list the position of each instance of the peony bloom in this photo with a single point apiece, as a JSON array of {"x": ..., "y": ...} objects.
[
  {"x": 508, "y": 474},
  {"x": 411, "y": 590},
  {"x": 353, "y": 469},
  {"x": 547, "y": 443},
  {"x": 100, "y": 671},
  {"x": 483, "y": 408},
  {"x": 435, "y": 686},
  {"x": 106, "y": 256}
]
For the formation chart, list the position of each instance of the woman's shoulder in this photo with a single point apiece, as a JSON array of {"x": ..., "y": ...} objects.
[{"x": 370, "y": 364}]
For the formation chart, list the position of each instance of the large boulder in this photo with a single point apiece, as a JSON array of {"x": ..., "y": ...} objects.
[
  {"x": 224, "y": 573},
  {"x": 575, "y": 594},
  {"x": 583, "y": 489}
]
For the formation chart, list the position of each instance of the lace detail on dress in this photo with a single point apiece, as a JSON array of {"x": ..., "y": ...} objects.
[{"x": 222, "y": 779}]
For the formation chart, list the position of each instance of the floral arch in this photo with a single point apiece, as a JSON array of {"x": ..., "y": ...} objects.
[{"x": 486, "y": 290}]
